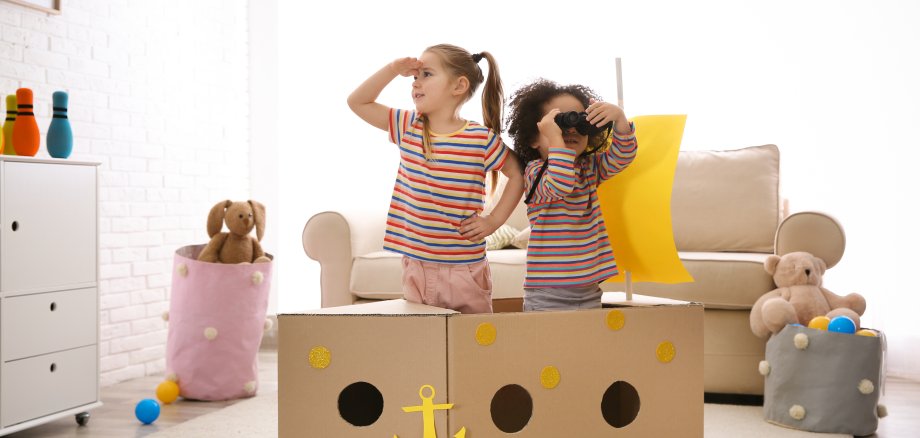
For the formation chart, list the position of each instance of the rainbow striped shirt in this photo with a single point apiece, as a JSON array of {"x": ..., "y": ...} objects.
[
  {"x": 431, "y": 198},
  {"x": 568, "y": 240}
]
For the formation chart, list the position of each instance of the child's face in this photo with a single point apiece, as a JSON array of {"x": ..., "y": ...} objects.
[
  {"x": 433, "y": 88},
  {"x": 573, "y": 140}
]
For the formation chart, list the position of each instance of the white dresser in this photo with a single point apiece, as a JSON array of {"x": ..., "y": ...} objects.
[{"x": 49, "y": 299}]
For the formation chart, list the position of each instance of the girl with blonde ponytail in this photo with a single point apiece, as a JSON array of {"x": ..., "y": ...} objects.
[{"x": 435, "y": 218}]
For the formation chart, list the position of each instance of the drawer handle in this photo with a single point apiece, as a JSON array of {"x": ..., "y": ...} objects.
[
  {"x": 15, "y": 225},
  {"x": 53, "y": 306},
  {"x": 53, "y": 366}
]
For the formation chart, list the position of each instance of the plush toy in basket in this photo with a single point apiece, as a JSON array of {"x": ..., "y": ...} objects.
[
  {"x": 237, "y": 246},
  {"x": 799, "y": 297},
  {"x": 217, "y": 311},
  {"x": 823, "y": 377}
]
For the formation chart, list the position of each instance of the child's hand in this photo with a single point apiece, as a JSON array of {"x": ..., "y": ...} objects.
[
  {"x": 550, "y": 133},
  {"x": 406, "y": 66},
  {"x": 476, "y": 227},
  {"x": 602, "y": 113}
]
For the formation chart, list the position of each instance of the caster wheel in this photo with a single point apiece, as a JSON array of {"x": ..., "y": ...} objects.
[{"x": 82, "y": 418}]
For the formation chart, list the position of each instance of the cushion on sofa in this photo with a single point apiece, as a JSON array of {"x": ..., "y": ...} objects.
[
  {"x": 722, "y": 280},
  {"x": 726, "y": 200}
]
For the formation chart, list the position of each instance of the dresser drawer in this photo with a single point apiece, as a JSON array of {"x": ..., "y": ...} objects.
[
  {"x": 48, "y": 322},
  {"x": 42, "y": 385}
]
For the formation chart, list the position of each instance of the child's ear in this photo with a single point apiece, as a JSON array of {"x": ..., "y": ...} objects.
[{"x": 462, "y": 85}]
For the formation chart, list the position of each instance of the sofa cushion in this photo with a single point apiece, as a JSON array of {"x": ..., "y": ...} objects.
[
  {"x": 726, "y": 200},
  {"x": 724, "y": 280},
  {"x": 378, "y": 275}
]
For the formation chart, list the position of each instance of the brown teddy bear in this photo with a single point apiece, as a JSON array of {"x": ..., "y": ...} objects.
[
  {"x": 237, "y": 246},
  {"x": 798, "y": 296}
]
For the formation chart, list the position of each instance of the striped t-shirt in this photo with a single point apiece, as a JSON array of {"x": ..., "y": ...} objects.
[
  {"x": 431, "y": 198},
  {"x": 568, "y": 240}
]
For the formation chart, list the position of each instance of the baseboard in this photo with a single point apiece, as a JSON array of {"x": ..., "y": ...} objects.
[
  {"x": 733, "y": 399},
  {"x": 270, "y": 336}
]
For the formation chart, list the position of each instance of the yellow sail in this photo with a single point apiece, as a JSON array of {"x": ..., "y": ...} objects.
[{"x": 636, "y": 205}]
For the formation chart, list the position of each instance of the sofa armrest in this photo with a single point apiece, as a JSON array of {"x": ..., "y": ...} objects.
[
  {"x": 333, "y": 239},
  {"x": 817, "y": 233}
]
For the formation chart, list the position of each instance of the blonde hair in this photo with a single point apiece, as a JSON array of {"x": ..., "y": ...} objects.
[{"x": 459, "y": 63}]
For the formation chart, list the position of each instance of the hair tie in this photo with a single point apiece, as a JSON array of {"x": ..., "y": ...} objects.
[{"x": 477, "y": 57}]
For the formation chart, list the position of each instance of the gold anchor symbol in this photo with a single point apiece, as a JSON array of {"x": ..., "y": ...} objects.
[{"x": 427, "y": 409}]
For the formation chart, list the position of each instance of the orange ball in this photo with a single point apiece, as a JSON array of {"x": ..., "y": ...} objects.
[
  {"x": 865, "y": 332},
  {"x": 819, "y": 322},
  {"x": 167, "y": 392}
]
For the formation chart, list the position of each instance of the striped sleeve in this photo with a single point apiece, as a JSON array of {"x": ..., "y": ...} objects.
[
  {"x": 399, "y": 123},
  {"x": 620, "y": 153},
  {"x": 558, "y": 180},
  {"x": 496, "y": 152}
]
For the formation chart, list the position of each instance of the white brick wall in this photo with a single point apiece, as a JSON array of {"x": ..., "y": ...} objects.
[{"x": 159, "y": 96}]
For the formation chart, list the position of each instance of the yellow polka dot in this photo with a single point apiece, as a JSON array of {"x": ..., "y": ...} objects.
[
  {"x": 485, "y": 334},
  {"x": 615, "y": 319},
  {"x": 549, "y": 377},
  {"x": 665, "y": 352},
  {"x": 320, "y": 357}
]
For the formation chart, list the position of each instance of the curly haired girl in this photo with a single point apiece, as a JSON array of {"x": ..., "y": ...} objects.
[{"x": 568, "y": 254}]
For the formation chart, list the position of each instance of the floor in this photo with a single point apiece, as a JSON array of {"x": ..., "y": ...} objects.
[{"x": 116, "y": 417}]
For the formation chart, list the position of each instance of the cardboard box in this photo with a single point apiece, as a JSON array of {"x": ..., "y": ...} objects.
[{"x": 395, "y": 368}]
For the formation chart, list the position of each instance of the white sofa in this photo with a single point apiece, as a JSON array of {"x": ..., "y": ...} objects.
[{"x": 727, "y": 215}]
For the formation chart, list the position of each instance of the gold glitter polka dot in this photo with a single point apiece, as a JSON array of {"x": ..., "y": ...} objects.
[
  {"x": 616, "y": 319},
  {"x": 320, "y": 357},
  {"x": 485, "y": 334},
  {"x": 665, "y": 352},
  {"x": 549, "y": 377}
]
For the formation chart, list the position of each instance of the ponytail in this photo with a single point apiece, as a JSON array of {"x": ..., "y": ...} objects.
[{"x": 493, "y": 97}]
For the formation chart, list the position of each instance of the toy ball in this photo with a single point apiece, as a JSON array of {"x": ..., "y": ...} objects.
[
  {"x": 819, "y": 322},
  {"x": 167, "y": 392},
  {"x": 797, "y": 325},
  {"x": 147, "y": 410},
  {"x": 842, "y": 324},
  {"x": 865, "y": 332}
]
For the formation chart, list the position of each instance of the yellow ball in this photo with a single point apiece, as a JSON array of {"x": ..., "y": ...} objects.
[
  {"x": 819, "y": 322},
  {"x": 167, "y": 392},
  {"x": 865, "y": 332}
]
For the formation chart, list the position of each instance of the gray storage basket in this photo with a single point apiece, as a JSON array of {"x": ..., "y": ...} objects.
[{"x": 823, "y": 381}]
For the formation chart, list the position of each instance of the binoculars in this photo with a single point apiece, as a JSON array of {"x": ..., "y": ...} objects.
[{"x": 579, "y": 121}]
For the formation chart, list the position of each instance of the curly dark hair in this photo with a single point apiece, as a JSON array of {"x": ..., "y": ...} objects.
[{"x": 527, "y": 109}]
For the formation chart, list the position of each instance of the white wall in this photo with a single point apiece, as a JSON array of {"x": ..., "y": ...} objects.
[
  {"x": 833, "y": 83},
  {"x": 159, "y": 96}
]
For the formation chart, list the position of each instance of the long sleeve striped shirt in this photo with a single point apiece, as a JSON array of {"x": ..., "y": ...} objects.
[{"x": 568, "y": 240}]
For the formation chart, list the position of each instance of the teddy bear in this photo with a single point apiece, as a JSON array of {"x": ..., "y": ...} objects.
[
  {"x": 798, "y": 296},
  {"x": 237, "y": 246}
]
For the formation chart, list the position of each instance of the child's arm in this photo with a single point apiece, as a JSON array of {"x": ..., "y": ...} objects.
[
  {"x": 559, "y": 178},
  {"x": 479, "y": 227},
  {"x": 363, "y": 101},
  {"x": 622, "y": 151}
]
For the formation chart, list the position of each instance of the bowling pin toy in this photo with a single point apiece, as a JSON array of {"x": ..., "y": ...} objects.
[
  {"x": 26, "y": 138},
  {"x": 60, "y": 135},
  {"x": 8, "y": 148}
]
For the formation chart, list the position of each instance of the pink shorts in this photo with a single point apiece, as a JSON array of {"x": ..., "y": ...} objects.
[{"x": 466, "y": 288}]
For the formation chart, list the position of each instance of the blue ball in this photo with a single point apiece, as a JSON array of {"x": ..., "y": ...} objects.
[
  {"x": 842, "y": 324},
  {"x": 147, "y": 410}
]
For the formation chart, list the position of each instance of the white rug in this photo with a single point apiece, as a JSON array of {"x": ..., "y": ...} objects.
[{"x": 258, "y": 417}]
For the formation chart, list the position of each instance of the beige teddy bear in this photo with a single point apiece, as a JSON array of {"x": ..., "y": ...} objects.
[
  {"x": 237, "y": 246},
  {"x": 798, "y": 296}
]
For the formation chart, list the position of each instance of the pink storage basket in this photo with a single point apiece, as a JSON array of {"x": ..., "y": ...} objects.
[{"x": 216, "y": 320}]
